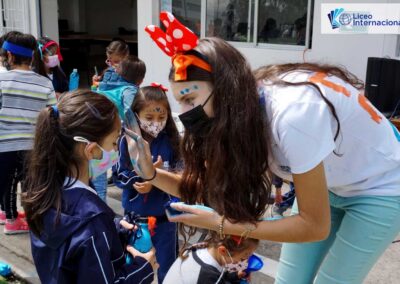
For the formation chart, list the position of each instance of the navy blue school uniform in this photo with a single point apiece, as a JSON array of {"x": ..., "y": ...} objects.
[
  {"x": 84, "y": 246},
  {"x": 59, "y": 80},
  {"x": 151, "y": 204}
]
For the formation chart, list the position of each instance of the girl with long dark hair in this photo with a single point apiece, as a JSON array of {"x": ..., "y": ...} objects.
[{"x": 74, "y": 238}]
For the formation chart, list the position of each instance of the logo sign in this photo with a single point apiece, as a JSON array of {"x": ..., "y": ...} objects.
[{"x": 365, "y": 18}]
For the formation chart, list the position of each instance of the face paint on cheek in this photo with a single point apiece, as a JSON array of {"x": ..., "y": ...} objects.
[{"x": 187, "y": 90}]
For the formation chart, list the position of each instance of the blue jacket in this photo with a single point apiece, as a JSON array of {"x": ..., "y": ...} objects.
[
  {"x": 84, "y": 246},
  {"x": 112, "y": 80},
  {"x": 152, "y": 203}
]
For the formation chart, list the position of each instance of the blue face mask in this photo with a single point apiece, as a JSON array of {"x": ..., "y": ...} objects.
[{"x": 99, "y": 166}]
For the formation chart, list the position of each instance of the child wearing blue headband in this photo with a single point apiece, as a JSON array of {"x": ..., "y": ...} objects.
[{"x": 23, "y": 94}]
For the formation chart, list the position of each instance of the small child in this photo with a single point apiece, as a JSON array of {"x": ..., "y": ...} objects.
[
  {"x": 47, "y": 63},
  {"x": 116, "y": 51},
  {"x": 74, "y": 236},
  {"x": 214, "y": 261},
  {"x": 23, "y": 94},
  {"x": 132, "y": 71},
  {"x": 158, "y": 128}
]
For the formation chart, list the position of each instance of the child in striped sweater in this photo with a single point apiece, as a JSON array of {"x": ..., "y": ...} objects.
[{"x": 23, "y": 94}]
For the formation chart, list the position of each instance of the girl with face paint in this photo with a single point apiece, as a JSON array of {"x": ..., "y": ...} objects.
[
  {"x": 214, "y": 261},
  {"x": 47, "y": 63},
  {"x": 75, "y": 238},
  {"x": 158, "y": 128}
]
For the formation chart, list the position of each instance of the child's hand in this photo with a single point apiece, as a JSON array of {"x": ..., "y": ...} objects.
[
  {"x": 242, "y": 274},
  {"x": 158, "y": 163},
  {"x": 127, "y": 225},
  {"x": 278, "y": 196},
  {"x": 150, "y": 256},
  {"x": 96, "y": 78},
  {"x": 143, "y": 187}
]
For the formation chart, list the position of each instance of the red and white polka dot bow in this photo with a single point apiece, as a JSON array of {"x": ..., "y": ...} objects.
[{"x": 177, "y": 37}]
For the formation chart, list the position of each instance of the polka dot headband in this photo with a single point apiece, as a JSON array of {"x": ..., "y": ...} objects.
[{"x": 177, "y": 40}]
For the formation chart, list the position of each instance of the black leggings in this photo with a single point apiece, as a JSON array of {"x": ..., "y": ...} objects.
[{"x": 11, "y": 173}]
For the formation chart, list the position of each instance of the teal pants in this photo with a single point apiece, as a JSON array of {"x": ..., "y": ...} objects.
[{"x": 362, "y": 228}]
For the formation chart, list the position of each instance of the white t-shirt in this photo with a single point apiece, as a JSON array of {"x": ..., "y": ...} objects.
[{"x": 303, "y": 130}]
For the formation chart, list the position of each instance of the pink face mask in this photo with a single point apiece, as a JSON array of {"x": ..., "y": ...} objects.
[
  {"x": 100, "y": 166},
  {"x": 52, "y": 61}
]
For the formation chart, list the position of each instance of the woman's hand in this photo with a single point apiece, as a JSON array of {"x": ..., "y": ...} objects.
[
  {"x": 143, "y": 187},
  {"x": 139, "y": 152},
  {"x": 196, "y": 217},
  {"x": 150, "y": 256}
]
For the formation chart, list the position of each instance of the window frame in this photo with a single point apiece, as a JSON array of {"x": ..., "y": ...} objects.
[{"x": 254, "y": 42}]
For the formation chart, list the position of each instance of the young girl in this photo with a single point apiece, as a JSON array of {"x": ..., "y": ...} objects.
[
  {"x": 216, "y": 261},
  {"x": 154, "y": 117},
  {"x": 116, "y": 51},
  {"x": 341, "y": 153},
  {"x": 47, "y": 64},
  {"x": 23, "y": 94},
  {"x": 74, "y": 238}
]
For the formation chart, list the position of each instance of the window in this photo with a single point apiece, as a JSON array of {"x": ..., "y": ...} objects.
[
  {"x": 229, "y": 19},
  {"x": 14, "y": 16},
  {"x": 188, "y": 12},
  {"x": 282, "y": 21},
  {"x": 255, "y": 22}
]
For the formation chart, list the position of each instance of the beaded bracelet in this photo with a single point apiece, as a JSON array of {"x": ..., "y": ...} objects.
[{"x": 221, "y": 228}]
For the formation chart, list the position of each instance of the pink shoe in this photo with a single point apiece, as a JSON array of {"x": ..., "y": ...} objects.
[
  {"x": 17, "y": 226},
  {"x": 21, "y": 214},
  {"x": 2, "y": 217}
]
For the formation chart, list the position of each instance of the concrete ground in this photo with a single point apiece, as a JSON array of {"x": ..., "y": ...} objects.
[{"x": 15, "y": 250}]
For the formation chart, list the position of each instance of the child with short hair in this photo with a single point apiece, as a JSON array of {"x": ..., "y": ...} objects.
[
  {"x": 23, "y": 94},
  {"x": 214, "y": 261},
  {"x": 154, "y": 117}
]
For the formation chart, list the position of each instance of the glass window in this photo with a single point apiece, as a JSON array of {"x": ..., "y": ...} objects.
[
  {"x": 188, "y": 12},
  {"x": 282, "y": 21},
  {"x": 229, "y": 19}
]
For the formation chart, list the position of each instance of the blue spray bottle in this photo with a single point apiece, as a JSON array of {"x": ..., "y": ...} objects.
[{"x": 141, "y": 238}]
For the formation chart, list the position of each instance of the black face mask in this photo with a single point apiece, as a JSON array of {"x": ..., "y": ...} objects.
[{"x": 196, "y": 120}]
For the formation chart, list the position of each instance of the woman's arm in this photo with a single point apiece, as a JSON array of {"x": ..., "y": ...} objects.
[
  {"x": 311, "y": 224},
  {"x": 140, "y": 155}
]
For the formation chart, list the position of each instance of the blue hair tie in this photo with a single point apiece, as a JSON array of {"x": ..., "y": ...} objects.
[
  {"x": 55, "y": 111},
  {"x": 17, "y": 49}
]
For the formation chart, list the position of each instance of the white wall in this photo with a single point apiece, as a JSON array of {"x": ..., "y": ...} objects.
[
  {"x": 49, "y": 19},
  {"x": 351, "y": 51}
]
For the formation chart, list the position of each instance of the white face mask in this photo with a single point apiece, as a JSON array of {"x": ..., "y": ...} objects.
[
  {"x": 152, "y": 128},
  {"x": 52, "y": 61},
  {"x": 235, "y": 267}
]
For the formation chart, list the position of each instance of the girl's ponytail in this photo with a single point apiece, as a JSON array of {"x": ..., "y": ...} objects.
[{"x": 47, "y": 164}]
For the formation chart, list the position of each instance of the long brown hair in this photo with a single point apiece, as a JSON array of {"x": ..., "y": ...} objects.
[
  {"x": 227, "y": 168},
  {"x": 272, "y": 74},
  {"x": 148, "y": 94},
  {"x": 53, "y": 158}
]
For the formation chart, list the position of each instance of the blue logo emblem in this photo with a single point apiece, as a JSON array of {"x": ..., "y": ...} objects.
[{"x": 333, "y": 18}]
